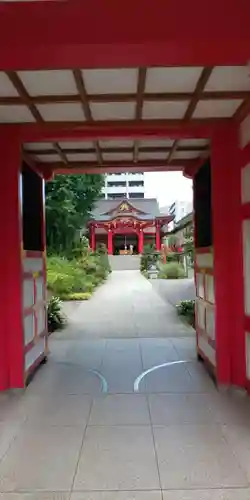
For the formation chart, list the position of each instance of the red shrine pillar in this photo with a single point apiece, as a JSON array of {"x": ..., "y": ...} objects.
[
  {"x": 92, "y": 237},
  {"x": 158, "y": 238},
  {"x": 140, "y": 241},
  {"x": 11, "y": 319},
  {"x": 110, "y": 242},
  {"x": 228, "y": 257}
]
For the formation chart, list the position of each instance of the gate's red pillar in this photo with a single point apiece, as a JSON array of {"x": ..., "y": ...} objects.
[
  {"x": 158, "y": 238},
  {"x": 141, "y": 241},
  {"x": 110, "y": 242},
  {"x": 11, "y": 331},
  {"x": 228, "y": 257}
]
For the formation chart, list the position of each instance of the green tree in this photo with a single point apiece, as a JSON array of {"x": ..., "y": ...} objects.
[{"x": 69, "y": 200}]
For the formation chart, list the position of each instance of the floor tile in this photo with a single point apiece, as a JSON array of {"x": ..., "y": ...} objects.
[
  {"x": 235, "y": 494},
  {"x": 121, "y": 378},
  {"x": 182, "y": 408},
  {"x": 117, "y": 458},
  {"x": 232, "y": 409},
  {"x": 118, "y": 495},
  {"x": 196, "y": 456},
  {"x": 64, "y": 409},
  {"x": 158, "y": 353},
  {"x": 185, "y": 347},
  {"x": 123, "y": 409},
  {"x": 8, "y": 432},
  {"x": 238, "y": 439},
  {"x": 34, "y": 496},
  {"x": 43, "y": 458}
]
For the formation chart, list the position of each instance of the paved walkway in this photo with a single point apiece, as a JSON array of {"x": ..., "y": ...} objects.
[{"x": 81, "y": 432}]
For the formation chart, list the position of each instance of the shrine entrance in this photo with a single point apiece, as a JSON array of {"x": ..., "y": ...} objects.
[{"x": 125, "y": 244}]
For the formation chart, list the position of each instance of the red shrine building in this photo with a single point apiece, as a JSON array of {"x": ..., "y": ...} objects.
[
  {"x": 125, "y": 226},
  {"x": 108, "y": 87}
]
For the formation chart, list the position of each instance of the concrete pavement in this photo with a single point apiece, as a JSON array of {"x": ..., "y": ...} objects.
[{"x": 81, "y": 432}]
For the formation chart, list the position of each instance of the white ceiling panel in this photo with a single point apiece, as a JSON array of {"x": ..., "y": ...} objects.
[
  {"x": 117, "y": 156},
  {"x": 47, "y": 158},
  {"x": 164, "y": 110},
  {"x": 6, "y": 87},
  {"x": 172, "y": 79},
  {"x": 193, "y": 142},
  {"x": 216, "y": 108},
  {"x": 36, "y": 146},
  {"x": 229, "y": 78},
  {"x": 15, "y": 114},
  {"x": 188, "y": 155},
  {"x": 82, "y": 157},
  {"x": 160, "y": 155},
  {"x": 76, "y": 144},
  {"x": 155, "y": 143},
  {"x": 113, "y": 111},
  {"x": 61, "y": 112},
  {"x": 116, "y": 143},
  {"x": 108, "y": 81},
  {"x": 53, "y": 82}
]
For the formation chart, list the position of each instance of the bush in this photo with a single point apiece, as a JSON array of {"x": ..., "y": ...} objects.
[
  {"x": 172, "y": 257},
  {"x": 186, "y": 308},
  {"x": 56, "y": 320},
  {"x": 171, "y": 270},
  {"x": 78, "y": 296},
  {"x": 149, "y": 257},
  {"x": 65, "y": 277}
]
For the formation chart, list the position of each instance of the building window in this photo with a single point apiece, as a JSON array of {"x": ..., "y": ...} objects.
[
  {"x": 116, "y": 196},
  {"x": 115, "y": 184},
  {"x": 136, "y": 183},
  {"x": 136, "y": 195}
]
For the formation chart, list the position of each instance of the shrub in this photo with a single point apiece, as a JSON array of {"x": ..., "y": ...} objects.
[
  {"x": 186, "y": 308},
  {"x": 56, "y": 320},
  {"x": 78, "y": 296},
  {"x": 172, "y": 257},
  {"x": 149, "y": 258},
  {"x": 68, "y": 277},
  {"x": 171, "y": 270}
]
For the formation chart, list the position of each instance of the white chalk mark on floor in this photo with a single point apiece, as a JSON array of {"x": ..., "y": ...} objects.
[
  {"x": 153, "y": 369},
  {"x": 102, "y": 379}
]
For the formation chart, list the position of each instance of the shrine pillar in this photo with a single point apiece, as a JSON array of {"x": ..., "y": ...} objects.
[
  {"x": 228, "y": 257},
  {"x": 110, "y": 242},
  {"x": 140, "y": 241},
  {"x": 11, "y": 320},
  {"x": 158, "y": 238},
  {"x": 93, "y": 242}
]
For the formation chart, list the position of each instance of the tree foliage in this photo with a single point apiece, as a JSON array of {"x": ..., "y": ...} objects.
[{"x": 69, "y": 200}]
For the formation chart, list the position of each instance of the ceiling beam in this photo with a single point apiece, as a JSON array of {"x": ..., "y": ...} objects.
[
  {"x": 144, "y": 129},
  {"x": 122, "y": 164},
  {"x": 130, "y": 97},
  {"x": 149, "y": 149},
  {"x": 141, "y": 84},
  {"x": 80, "y": 85},
  {"x": 24, "y": 95},
  {"x": 201, "y": 84}
]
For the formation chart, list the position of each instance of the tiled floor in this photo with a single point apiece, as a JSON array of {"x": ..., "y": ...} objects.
[{"x": 175, "y": 439}]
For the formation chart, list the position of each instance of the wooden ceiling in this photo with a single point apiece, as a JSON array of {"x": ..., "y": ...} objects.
[{"x": 128, "y": 95}]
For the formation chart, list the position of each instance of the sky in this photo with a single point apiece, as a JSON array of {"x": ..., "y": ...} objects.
[{"x": 167, "y": 187}]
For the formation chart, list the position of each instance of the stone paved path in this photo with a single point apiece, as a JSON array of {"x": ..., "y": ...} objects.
[{"x": 80, "y": 432}]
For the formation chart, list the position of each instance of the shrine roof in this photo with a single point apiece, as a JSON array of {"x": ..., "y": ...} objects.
[{"x": 144, "y": 208}]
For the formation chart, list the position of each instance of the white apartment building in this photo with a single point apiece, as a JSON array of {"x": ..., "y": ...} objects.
[
  {"x": 124, "y": 185},
  {"x": 179, "y": 209}
]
